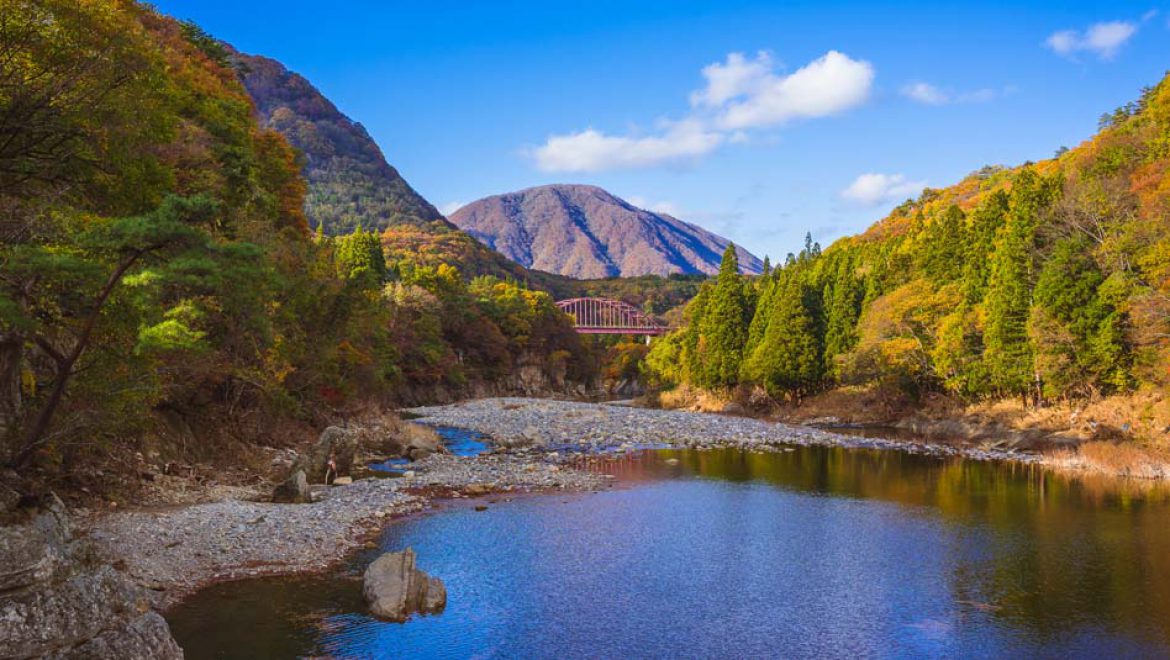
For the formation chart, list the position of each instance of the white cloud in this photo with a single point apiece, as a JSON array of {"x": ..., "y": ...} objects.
[
  {"x": 451, "y": 207},
  {"x": 740, "y": 94},
  {"x": 593, "y": 151},
  {"x": 735, "y": 77},
  {"x": 826, "y": 86},
  {"x": 927, "y": 94},
  {"x": 669, "y": 208},
  {"x": 873, "y": 189},
  {"x": 1101, "y": 39}
]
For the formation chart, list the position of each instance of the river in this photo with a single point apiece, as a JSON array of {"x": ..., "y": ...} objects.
[{"x": 814, "y": 552}]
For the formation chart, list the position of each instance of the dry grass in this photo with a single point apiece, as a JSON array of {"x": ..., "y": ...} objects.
[
  {"x": 1124, "y": 459},
  {"x": 685, "y": 397}
]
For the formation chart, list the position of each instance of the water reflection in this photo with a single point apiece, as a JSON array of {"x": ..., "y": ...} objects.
[{"x": 813, "y": 552}]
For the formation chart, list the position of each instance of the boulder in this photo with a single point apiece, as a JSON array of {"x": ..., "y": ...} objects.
[
  {"x": 335, "y": 441},
  {"x": 420, "y": 447},
  {"x": 294, "y": 490},
  {"x": 59, "y": 600},
  {"x": 31, "y": 553},
  {"x": 395, "y": 588}
]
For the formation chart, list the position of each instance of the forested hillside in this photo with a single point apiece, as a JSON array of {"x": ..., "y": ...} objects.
[
  {"x": 1048, "y": 281},
  {"x": 157, "y": 263},
  {"x": 350, "y": 184}
]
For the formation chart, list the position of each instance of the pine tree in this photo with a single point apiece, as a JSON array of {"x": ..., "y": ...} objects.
[
  {"x": 1009, "y": 352},
  {"x": 723, "y": 330},
  {"x": 689, "y": 354},
  {"x": 763, "y": 312},
  {"x": 944, "y": 245},
  {"x": 359, "y": 257},
  {"x": 787, "y": 361},
  {"x": 983, "y": 226},
  {"x": 842, "y": 309},
  {"x": 1077, "y": 331}
]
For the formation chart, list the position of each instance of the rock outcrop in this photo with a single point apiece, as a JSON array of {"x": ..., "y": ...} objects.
[
  {"x": 395, "y": 588},
  {"x": 58, "y": 601},
  {"x": 335, "y": 441}
]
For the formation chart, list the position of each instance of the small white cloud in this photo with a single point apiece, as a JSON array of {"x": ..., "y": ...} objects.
[
  {"x": 669, "y": 208},
  {"x": 451, "y": 207},
  {"x": 872, "y": 189},
  {"x": 1149, "y": 15},
  {"x": 1103, "y": 39},
  {"x": 593, "y": 151},
  {"x": 927, "y": 94}
]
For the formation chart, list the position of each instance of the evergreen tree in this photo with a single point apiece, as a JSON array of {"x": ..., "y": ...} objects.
[
  {"x": 359, "y": 257},
  {"x": 1009, "y": 352},
  {"x": 763, "y": 312},
  {"x": 942, "y": 252},
  {"x": 1078, "y": 334},
  {"x": 983, "y": 227},
  {"x": 842, "y": 309},
  {"x": 724, "y": 327},
  {"x": 689, "y": 356},
  {"x": 787, "y": 361}
]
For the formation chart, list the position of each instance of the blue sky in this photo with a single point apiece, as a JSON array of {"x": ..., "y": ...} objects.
[{"x": 755, "y": 120}]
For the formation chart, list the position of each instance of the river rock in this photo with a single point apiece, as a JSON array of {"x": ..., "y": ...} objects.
[
  {"x": 294, "y": 490},
  {"x": 334, "y": 441},
  {"x": 395, "y": 588},
  {"x": 422, "y": 445},
  {"x": 60, "y": 601}
]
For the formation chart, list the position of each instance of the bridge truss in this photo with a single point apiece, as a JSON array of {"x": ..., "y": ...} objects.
[{"x": 601, "y": 316}]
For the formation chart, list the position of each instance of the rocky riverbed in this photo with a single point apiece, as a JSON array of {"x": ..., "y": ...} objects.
[
  {"x": 574, "y": 426},
  {"x": 175, "y": 551}
]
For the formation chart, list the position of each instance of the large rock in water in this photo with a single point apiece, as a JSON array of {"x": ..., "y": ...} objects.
[
  {"x": 335, "y": 441},
  {"x": 58, "y": 601},
  {"x": 395, "y": 588}
]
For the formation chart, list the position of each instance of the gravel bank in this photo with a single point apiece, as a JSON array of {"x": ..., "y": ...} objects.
[
  {"x": 592, "y": 427},
  {"x": 175, "y": 551}
]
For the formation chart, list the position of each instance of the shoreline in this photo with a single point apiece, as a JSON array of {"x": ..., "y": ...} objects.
[
  {"x": 174, "y": 551},
  {"x": 556, "y": 424}
]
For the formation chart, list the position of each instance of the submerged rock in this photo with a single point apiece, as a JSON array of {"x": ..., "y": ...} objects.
[
  {"x": 395, "y": 588},
  {"x": 294, "y": 490}
]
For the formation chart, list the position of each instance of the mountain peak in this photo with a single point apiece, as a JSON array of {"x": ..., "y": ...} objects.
[
  {"x": 584, "y": 231},
  {"x": 350, "y": 182}
]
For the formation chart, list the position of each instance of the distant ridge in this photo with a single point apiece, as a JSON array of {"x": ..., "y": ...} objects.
[
  {"x": 585, "y": 232},
  {"x": 350, "y": 182}
]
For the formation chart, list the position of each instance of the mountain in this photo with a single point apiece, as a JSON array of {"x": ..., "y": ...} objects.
[
  {"x": 349, "y": 180},
  {"x": 585, "y": 232}
]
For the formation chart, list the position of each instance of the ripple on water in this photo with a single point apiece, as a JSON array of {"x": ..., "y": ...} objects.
[{"x": 812, "y": 553}]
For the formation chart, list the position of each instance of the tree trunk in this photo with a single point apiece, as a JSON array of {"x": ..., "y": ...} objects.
[{"x": 11, "y": 399}]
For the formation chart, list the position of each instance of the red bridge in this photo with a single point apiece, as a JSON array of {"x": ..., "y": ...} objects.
[{"x": 599, "y": 316}]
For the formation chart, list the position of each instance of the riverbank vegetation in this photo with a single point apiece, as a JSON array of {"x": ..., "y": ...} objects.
[
  {"x": 1041, "y": 284},
  {"x": 157, "y": 271}
]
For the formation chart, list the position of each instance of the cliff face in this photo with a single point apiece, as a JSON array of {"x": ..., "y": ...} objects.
[{"x": 585, "y": 232}]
